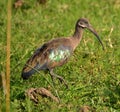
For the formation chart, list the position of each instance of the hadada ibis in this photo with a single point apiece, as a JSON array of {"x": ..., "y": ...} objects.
[{"x": 56, "y": 52}]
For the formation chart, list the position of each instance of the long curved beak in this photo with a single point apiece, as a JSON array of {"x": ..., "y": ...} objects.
[{"x": 95, "y": 33}]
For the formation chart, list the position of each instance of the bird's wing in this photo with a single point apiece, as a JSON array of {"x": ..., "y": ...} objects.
[
  {"x": 50, "y": 55},
  {"x": 58, "y": 55},
  {"x": 36, "y": 60}
]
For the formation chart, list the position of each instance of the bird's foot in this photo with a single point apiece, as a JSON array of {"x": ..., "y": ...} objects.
[{"x": 61, "y": 79}]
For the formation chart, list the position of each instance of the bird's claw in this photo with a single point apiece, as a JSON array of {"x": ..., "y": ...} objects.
[
  {"x": 60, "y": 79},
  {"x": 63, "y": 81}
]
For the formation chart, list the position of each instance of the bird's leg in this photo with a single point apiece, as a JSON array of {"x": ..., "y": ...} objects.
[{"x": 53, "y": 75}]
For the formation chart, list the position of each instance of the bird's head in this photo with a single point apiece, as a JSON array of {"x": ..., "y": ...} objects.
[{"x": 84, "y": 23}]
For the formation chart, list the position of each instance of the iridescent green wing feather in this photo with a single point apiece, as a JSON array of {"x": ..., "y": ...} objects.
[{"x": 60, "y": 53}]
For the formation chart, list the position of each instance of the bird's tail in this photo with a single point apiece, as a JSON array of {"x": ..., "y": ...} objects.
[
  {"x": 30, "y": 70},
  {"x": 27, "y": 72},
  {"x": 34, "y": 64}
]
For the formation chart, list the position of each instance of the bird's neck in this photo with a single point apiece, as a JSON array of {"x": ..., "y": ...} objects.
[
  {"x": 78, "y": 33},
  {"x": 77, "y": 36}
]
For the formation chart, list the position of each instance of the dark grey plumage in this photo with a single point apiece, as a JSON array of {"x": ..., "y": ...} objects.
[{"x": 57, "y": 51}]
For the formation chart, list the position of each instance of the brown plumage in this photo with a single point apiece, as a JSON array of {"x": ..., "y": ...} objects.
[{"x": 56, "y": 52}]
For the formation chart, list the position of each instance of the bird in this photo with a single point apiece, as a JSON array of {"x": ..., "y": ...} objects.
[{"x": 57, "y": 52}]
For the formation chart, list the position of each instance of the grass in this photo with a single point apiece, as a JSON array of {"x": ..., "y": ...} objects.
[{"x": 93, "y": 75}]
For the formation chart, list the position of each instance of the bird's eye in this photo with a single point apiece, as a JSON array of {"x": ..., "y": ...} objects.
[{"x": 81, "y": 23}]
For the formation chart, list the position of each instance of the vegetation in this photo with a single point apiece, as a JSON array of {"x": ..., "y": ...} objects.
[{"x": 93, "y": 75}]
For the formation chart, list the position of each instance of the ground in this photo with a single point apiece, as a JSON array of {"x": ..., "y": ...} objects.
[{"x": 93, "y": 74}]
